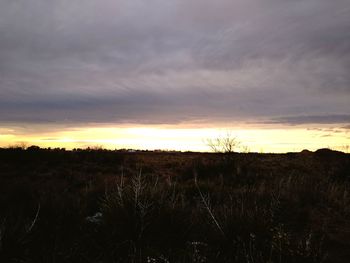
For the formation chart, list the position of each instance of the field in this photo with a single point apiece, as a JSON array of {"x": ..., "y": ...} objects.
[{"x": 113, "y": 206}]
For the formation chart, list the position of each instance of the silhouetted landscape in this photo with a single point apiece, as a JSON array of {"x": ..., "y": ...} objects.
[
  {"x": 174, "y": 131},
  {"x": 98, "y": 205}
]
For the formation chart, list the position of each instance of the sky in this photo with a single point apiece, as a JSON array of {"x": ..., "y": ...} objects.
[{"x": 168, "y": 74}]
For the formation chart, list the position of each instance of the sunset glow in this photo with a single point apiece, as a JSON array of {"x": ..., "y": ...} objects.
[
  {"x": 168, "y": 74},
  {"x": 184, "y": 139}
]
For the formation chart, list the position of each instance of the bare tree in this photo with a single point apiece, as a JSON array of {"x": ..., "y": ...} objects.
[{"x": 224, "y": 144}]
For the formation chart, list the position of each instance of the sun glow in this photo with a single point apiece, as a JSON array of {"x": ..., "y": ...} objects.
[{"x": 260, "y": 139}]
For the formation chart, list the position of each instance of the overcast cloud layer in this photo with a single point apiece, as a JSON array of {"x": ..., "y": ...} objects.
[{"x": 160, "y": 61}]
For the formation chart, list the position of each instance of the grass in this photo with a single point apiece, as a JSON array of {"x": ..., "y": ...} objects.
[{"x": 106, "y": 206}]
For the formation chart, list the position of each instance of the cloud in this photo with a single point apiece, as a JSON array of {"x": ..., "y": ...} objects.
[
  {"x": 321, "y": 119},
  {"x": 171, "y": 62}
]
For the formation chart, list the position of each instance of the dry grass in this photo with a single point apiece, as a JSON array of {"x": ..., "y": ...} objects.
[{"x": 102, "y": 206}]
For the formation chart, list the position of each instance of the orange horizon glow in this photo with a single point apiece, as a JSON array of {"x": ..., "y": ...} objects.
[{"x": 277, "y": 139}]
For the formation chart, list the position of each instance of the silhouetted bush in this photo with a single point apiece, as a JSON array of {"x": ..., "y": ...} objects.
[{"x": 107, "y": 206}]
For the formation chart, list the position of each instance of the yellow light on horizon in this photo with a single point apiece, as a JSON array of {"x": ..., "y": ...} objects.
[{"x": 181, "y": 139}]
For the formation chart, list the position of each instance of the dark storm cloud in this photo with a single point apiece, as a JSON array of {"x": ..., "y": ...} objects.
[{"x": 173, "y": 61}]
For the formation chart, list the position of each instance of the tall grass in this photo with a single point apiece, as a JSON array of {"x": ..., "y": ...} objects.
[{"x": 216, "y": 209}]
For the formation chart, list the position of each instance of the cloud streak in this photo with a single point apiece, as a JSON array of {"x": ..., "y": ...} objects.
[{"x": 320, "y": 119}]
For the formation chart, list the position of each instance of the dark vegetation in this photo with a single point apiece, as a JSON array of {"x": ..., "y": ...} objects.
[{"x": 109, "y": 206}]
